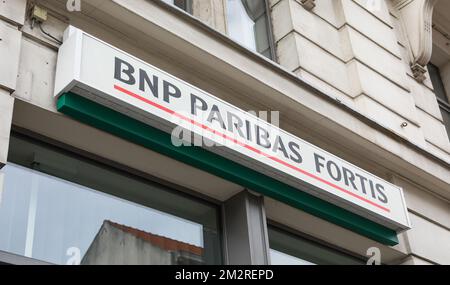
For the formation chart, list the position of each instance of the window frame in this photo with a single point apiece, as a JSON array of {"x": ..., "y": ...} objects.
[
  {"x": 444, "y": 105},
  {"x": 183, "y": 5},
  {"x": 269, "y": 28},
  {"x": 65, "y": 149},
  {"x": 270, "y": 32}
]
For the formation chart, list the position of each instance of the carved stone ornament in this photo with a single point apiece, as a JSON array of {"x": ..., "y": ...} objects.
[
  {"x": 416, "y": 17},
  {"x": 308, "y": 4}
]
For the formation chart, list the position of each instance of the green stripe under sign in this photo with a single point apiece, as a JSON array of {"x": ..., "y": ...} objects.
[{"x": 135, "y": 131}]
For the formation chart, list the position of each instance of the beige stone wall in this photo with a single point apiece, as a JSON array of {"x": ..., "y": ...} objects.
[
  {"x": 354, "y": 55},
  {"x": 430, "y": 218},
  {"x": 212, "y": 13},
  {"x": 359, "y": 55},
  {"x": 12, "y": 17}
]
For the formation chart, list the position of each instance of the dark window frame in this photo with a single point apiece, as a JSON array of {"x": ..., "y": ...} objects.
[
  {"x": 268, "y": 29},
  {"x": 185, "y": 5},
  {"x": 444, "y": 105},
  {"x": 270, "y": 32}
]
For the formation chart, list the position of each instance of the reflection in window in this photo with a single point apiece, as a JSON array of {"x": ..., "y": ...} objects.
[
  {"x": 66, "y": 221},
  {"x": 240, "y": 25},
  {"x": 248, "y": 25},
  {"x": 289, "y": 249}
]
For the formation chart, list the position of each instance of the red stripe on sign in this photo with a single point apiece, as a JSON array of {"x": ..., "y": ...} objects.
[{"x": 242, "y": 144}]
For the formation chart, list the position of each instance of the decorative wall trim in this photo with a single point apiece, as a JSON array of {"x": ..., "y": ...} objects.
[
  {"x": 416, "y": 17},
  {"x": 307, "y": 4}
]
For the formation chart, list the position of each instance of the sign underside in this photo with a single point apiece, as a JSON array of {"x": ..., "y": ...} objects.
[{"x": 118, "y": 81}]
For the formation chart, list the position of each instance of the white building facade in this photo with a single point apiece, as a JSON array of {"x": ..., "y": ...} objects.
[{"x": 367, "y": 81}]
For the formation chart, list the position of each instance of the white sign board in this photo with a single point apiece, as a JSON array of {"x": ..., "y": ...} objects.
[{"x": 111, "y": 77}]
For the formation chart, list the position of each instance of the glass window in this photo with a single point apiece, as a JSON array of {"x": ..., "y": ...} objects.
[
  {"x": 60, "y": 208},
  {"x": 185, "y": 5},
  {"x": 445, "y": 111},
  {"x": 441, "y": 95},
  {"x": 435, "y": 76},
  {"x": 248, "y": 24},
  {"x": 289, "y": 249}
]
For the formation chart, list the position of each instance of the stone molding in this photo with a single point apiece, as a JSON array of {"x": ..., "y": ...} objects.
[{"x": 417, "y": 18}]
